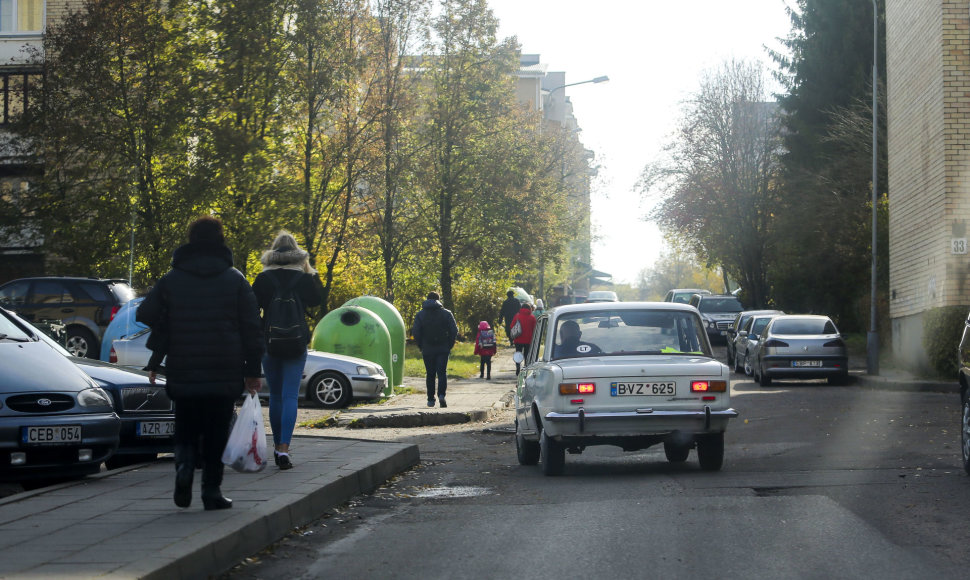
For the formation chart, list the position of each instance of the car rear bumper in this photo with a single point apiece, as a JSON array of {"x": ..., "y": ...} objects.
[
  {"x": 781, "y": 367},
  {"x": 635, "y": 423}
]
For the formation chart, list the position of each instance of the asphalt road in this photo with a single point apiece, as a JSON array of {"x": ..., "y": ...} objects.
[{"x": 818, "y": 482}]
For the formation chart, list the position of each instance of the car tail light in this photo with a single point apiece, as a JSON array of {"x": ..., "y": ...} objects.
[
  {"x": 577, "y": 388},
  {"x": 113, "y": 356},
  {"x": 774, "y": 343},
  {"x": 114, "y": 310},
  {"x": 708, "y": 386},
  {"x": 837, "y": 342}
]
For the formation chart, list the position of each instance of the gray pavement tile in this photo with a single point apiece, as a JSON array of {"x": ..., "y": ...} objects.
[{"x": 68, "y": 570}]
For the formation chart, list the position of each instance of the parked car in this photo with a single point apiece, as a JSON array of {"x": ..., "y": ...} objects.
[
  {"x": 55, "y": 421},
  {"x": 964, "y": 379},
  {"x": 630, "y": 374},
  {"x": 800, "y": 346},
  {"x": 329, "y": 380},
  {"x": 84, "y": 305},
  {"x": 718, "y": 312},
  {"x": 147, "y": 414},
  {"x": 682, "y": 295},
  {"x": 602, "y": 296},
  {"x": 740, "y": 322},
  {"x": 747, "y": 341},
  {"x": 123, "y": 324}
]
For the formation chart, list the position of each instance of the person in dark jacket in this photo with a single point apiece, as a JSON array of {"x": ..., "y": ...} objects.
[
  {"x": 214, "y": 345},
  {"x": 287, "y": 266},
  {"x": 510, "y": 308},
  {"x": 435, "y": 331}
]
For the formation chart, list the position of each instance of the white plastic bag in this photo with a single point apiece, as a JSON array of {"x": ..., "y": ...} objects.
[{"x": 246, "y": 449}]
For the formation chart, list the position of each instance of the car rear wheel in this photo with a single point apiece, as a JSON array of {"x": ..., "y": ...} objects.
[
  {"x": 553, "y": 455},
  {"x": 676, "y": 453},
  {"x": 329, "y": 390},
  {"x": 527, "y": 451},
  {"x": 81, "y": 343},
  {"x": 965, "y": 435},
  {"x": 763, "y": 379},
  {"x": 837, "y": 380},
  {"x": 710, "y": 451},
  {"x": 739, "y": 363}
]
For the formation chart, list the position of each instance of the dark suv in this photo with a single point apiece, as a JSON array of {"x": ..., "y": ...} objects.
[
  {"x": 718, "y": 312},
  {"x": 84, "y": 305}
]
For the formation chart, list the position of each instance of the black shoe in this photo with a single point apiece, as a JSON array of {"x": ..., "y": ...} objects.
[
  {"x": 183, "y": 484},
  {"x": 442, "y": 403},
  {"x": 431, "y": 403},
  {"x": 212, "y": 499},
  {"x": 284, "y": 461},
  {"x": 276, "y": 457}
]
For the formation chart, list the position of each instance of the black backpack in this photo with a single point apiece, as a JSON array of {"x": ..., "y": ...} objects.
[
  {"x": 284, "y": 321},
  {"x": 434, "y": 328}
]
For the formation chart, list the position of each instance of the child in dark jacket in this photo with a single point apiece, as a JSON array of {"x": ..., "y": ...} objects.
[{"x": 485, "y": 347}]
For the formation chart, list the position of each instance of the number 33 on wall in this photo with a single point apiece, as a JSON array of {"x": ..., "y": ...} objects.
[{"x": 958, "y": 246}]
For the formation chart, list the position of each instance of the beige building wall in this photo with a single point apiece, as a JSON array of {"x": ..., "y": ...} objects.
[{"x": 928, "y": 76}]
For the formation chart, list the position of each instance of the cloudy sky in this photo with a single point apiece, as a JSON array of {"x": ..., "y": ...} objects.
[{"x": 654, "y": 53}]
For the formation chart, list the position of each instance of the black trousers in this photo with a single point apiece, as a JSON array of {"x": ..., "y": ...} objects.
[{"x": 208, "y": 418}]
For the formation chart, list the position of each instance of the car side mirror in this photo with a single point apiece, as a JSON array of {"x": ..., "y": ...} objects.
[{"x": 743, "y": 333}]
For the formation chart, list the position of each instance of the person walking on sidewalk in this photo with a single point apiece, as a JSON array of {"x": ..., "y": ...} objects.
[
  {"x": 435, "y": 332},
  {"x": 214, "y": 345},
  {"x": 485, "y": 347},
  {"x": 526, "y": 324},
  {"x": 510, "y": 308},
  {"x": 287, "y": 282}
]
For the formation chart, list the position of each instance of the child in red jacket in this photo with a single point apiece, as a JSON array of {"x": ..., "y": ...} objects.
[{"x": 485, "y": 347}]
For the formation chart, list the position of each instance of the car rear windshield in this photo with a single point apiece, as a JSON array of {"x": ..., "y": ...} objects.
[
  {"x": 719, "y": 305},
  {"x": 122, "y": 292},
  {"x": 796, "y": 326},
  {"x": 628, "y": 332}
]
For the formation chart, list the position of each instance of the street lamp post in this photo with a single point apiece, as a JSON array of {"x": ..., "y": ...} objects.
[{"x": 872, "y": 339}]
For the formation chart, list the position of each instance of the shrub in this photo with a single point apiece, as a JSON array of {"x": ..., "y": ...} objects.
[{"x": 942, "y": 330}]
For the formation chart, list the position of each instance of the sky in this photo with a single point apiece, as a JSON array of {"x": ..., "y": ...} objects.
[{"x": 654, "y": 52}]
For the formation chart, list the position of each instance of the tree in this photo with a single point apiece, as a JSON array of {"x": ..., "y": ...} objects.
[{"x": 719, "y": 184}]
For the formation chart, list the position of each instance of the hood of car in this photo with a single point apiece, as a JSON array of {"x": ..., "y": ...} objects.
[
  {"x": 720, "y": 315},
  {"x": 20, "y": 362},
  {"x": 646, "y": 366},
  {"x": 108, "y": 375}
]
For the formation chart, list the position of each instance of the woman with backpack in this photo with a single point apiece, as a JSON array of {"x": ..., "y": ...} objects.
[
  {"x": 284, "y": 289},
  {"x": 523, "y": 325},
  {"x": 485, "y": 347}
]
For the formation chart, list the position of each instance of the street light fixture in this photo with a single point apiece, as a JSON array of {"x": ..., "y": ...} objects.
[
  {"x": 872, "y": 339},
  {"x": 597, "y": 80}
]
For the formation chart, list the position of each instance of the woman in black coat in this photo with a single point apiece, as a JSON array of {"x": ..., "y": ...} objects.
[{"x": 214, "y": 345}]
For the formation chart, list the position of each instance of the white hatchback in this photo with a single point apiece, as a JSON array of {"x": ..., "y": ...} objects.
[{"x": 630, "y": 374}]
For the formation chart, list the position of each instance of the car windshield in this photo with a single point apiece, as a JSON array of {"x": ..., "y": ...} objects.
[
  {"x": 719, "y": 305},
  {"x": 626, "y": 332},
  {"x": 10, "y": 331},
  {"x": 796, "y": 326}
]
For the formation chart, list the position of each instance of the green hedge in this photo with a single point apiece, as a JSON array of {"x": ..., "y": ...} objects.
[{"x": 942, "y": 331}]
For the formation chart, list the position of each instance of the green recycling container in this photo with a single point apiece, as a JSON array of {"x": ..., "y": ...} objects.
[
  {"x": 355, "y": 331},
  {"x": 395, "y": 327}
]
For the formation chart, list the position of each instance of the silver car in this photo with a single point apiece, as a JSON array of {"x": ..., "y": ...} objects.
[
  {"x": 741, "y": 322},
  {"x": 329, "y": 380},
  {"x": 630, "y": 374},
  {"x": 800, "y": 347},
  {"x": 747, "y": 341}
]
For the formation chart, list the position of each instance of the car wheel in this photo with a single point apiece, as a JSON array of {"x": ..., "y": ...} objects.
[
  {"x": 738, "y": 364},
  {"x": 965, "y": 435},
  {"x": 329, "y": 390},
  {"x": 527, "y": 451},
  {"x": 747, "y": 367},
  {"x": 81, "y": 343},
  {"x": 731, "y": 360},
  {"x": 837, "y": 380},
  {"x": 763, "y": 379},
  {"x": 710, "y": 451},
  {"x": 553, "y": 455},
  {"x": 676, "y": 453}
]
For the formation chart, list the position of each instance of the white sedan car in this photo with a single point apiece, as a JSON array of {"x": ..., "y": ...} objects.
[
  {"x": 630, "y": 374},
  {"x": 329, "y": 380}
]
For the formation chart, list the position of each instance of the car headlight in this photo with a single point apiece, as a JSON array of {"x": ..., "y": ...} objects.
[
  {"x": 94, "y": 397},
  {"x": 366, "y": 371}
]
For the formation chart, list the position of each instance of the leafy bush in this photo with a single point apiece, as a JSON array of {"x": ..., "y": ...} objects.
[{"x": 942, "y": 330}]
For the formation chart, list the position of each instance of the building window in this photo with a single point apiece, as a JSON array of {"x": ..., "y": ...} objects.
[
  {"x": 18, "y": 92},
  {"x": 21, "y": 16}
]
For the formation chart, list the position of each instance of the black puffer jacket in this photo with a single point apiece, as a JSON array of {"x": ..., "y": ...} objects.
[{"x": 212, "y": 322}]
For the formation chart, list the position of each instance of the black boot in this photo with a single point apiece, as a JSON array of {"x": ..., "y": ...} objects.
[
  {"x": 184, "y": 470},
  {"x": 212, "y": 498}
]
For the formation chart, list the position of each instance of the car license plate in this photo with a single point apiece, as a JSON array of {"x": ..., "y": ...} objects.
[
  {"x": 633, "y": 389},
  {"x": 806, "y": 363},
  {"x": 51, "y": 435},
  {"x": 155, "y": 429}
]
